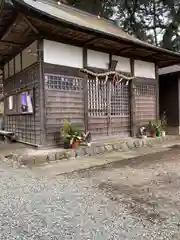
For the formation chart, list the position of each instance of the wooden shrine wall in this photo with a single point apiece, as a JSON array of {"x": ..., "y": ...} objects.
[
  {"x": 64, "y": 99},
  {"x": 145, "y": 101},
  {"x": 25, "y": 126},
  {"x": 108, "y": 109}
]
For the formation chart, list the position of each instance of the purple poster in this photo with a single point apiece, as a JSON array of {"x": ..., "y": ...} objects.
[
  {"x": 24, "y": 98},
  {"x": 24, "y": 102}
]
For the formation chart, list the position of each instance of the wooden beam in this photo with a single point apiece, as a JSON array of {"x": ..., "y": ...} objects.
[
  {"x": 91, "y": 40},
  {"x": 152, "y": 54},
  {"x": 157, "y": 91},
  {"x": 8, "y": 23},
  {"x": 113, "y": 65},
  {"x": 110, "y": 60},
  {"x": 178, "y": 100},
  {"x": 132, "y": 103},
  {"x": 85, "y": 91},
  {"x": 42, "y": 94},
  {"x": 124, "y": 49},
  {"x": 109, "y": 110},
  {"x": 34, "y": 29},
  {"x": 10, "y": 27},
  {"x": 11, "y": 43}
]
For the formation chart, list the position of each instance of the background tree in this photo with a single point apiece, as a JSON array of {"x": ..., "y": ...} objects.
[{"x": 154, "y": 21}]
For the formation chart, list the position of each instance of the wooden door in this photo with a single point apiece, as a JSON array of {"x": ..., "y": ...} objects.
[
  {"x": 119, "y": 109},
  {"x": 108, "y": 109},
  {"x": 97, "y": 108}
]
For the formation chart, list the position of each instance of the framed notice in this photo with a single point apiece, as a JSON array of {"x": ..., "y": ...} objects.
[{"x": 26, "y": 102}]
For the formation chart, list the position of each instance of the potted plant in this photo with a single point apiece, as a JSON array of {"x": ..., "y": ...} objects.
[
  {"x": 75, "y": 140},
  {"x": 72, "y": 136},
  {"x": 158, "y": 128},
  {"x": 152, "y": 128},
  {"x": 163, "y": 125},
  {"x": 65, "y": 134},
  {"x": 66, "y": 143}
]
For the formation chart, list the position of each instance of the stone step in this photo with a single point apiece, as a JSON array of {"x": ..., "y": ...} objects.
[{"x": 39, "y": 157}]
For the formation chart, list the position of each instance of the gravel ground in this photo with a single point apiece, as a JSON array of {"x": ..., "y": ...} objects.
[{"x": 136, "y": 200}]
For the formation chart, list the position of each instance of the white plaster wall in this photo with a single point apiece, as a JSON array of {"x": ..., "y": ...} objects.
[
  {"x": 11, "y": 68},
  {"x": 18, "y": 63},
  {"x": 97, "y": 59},
  {"x": 63, "y": 54},
  {"x": 144, "y": 69},
  {"x": 123, "y": 64},
  {"x": 6, "y": 70},
  {"x": 170, "y": 69},
  {"x": 29, "y": 55}
]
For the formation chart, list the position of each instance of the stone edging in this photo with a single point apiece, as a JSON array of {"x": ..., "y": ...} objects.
[{"x": 98, "y": 148}]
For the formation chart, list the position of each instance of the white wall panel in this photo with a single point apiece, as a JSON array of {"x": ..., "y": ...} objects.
[
  {"x": 63, "y": 54},
  {"x": 144, "y": 69},
  {"x": 29, "y": 55},
  {"x": 123, "y": 64},
  {"x": 170, "y": 69},
  {"x": 18, "y": 63},
  {"x": 97, "y": 59},
  {"x": 6, "y": 74},
  {"x": 11, "y": 67}
]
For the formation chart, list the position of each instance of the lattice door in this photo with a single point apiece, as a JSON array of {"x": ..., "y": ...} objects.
[
  {"x": 108, "y": 108},
  {"x": 120, "y": 111},
  {"x": 97, "y": 107},
  {"x": 145, "y": 97}
]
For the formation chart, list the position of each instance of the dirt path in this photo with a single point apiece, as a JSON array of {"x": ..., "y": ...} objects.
[{"x": 130, "y": 200}]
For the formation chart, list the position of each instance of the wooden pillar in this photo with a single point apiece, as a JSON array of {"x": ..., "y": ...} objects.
[
  {"x": 5, "y": 101},
  {"x": 178, "y": 104},
  {"x": 157, "y": 91},
  {"x": 85, "y": 90},
  {"x": 42, "y": 105},
  {"x": 132, "y": 103},
  {"x": 109, "y": 110},
  {"x": 21, "y": 60}
]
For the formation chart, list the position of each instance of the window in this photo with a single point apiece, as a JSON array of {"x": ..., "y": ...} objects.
[
  {"x": 20, "y": 103},
  {"x": 1, "y": 108},
  {"x": 10, "y": 102},
  {"x": 66, "y": 83}
]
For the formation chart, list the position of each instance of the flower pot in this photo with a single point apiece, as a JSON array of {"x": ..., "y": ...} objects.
[
  {"x": 75, "y": 144},
  {"x": 153, "y": 134},
  {"x": 158, "y": 134},
  {"x": 66, "y": 145},
  {"x": 163, "y": 133}
]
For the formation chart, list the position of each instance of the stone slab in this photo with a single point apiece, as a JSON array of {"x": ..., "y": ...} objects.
[
  {"x": 37, "y": 157},
  {"x": 99, "y": 160}
]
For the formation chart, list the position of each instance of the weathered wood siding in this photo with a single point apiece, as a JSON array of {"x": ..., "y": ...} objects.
[
  {"x": 108, "y": 110},
  {"x": 64, "y": 99},
  {"x": 145, "y": 101},
  {"x": 26, "y": 126}
]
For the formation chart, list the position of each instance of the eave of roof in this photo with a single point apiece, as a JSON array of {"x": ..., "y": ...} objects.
[
  {"x": 92, "y": 22},
  {"x": 92, "y": 25},
  {"x": 170, "y": 69}
]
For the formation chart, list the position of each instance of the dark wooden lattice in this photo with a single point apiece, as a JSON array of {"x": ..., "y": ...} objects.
[
  {"x": 97, "y": 97},
  {"x": 60, "y": 82},
  {"x": 108, "y": 108},
  {"x": 145, "y": 99}
]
